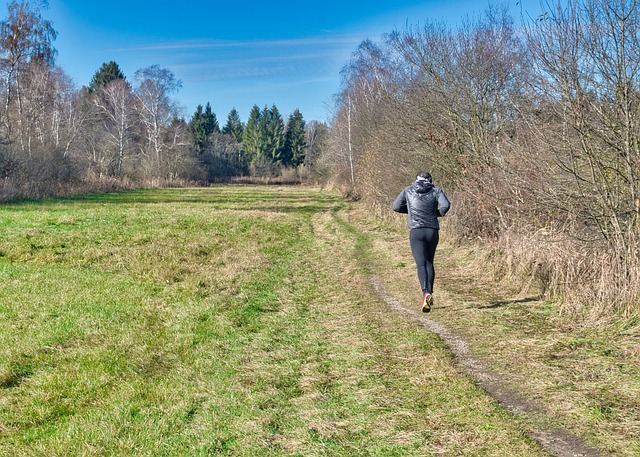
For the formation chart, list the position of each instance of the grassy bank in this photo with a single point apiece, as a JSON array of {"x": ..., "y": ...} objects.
[{"x": 232, "y": 320}]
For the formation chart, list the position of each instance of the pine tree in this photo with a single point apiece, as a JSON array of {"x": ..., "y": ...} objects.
[
  {"x": 210, "y": 121},
  {"x": 203, "y": 124},
  {"x": 234, "y": 125},
  {"x": 198, "y": 131},
  {"x": 106, "y": 73},
  {"x": 294, "y": 141},
  {"x": 272, "y": 133},
  {"x": 251, "y": 137}
]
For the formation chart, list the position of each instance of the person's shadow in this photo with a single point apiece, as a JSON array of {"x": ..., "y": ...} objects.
[{"x": 500, "y": 304}]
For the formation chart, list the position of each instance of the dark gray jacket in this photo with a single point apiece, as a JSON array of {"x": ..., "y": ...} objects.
[{"x": 424, "y": 203}]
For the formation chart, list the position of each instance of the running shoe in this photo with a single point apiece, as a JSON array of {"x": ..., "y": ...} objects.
[{"x": 427, "y": 301}]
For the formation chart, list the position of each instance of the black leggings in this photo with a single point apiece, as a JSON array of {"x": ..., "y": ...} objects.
[{"x": 423, "y": 247}]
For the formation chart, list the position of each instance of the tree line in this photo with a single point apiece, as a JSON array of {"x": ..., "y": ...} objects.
[
  {"x": 117, "y": 132},
  {"x": 262, "y": 146},
  {"x": 532, "y": 125}
]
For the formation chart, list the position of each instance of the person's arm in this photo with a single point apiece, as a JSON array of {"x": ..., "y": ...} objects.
[
  {"x": 400, "y": 205},
  {"x": 443, "y": 203}
]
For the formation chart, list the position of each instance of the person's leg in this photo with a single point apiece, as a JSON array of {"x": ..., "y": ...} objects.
[
  {"x": 432, "y": 236},
  {"x": 418, "y": 242},
  {"x": 423, "y": 247}
]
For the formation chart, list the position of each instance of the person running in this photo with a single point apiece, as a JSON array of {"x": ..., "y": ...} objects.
[{"x": 424, "y": 203}]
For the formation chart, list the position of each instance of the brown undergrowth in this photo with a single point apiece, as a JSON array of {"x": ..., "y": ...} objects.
[{"x": 593, "y": 284}]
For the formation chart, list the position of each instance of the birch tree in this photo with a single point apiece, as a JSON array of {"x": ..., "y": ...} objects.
[
  {"x": 25, "y": 37},
  {"x": 155, "y": 86},
  {"x": 115, "y": 103}
]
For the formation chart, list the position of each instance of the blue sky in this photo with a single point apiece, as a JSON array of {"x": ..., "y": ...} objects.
[{"x": 236, "y": 53}]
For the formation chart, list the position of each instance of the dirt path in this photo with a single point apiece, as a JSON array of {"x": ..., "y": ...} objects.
[{"x": 558, "y": 442}]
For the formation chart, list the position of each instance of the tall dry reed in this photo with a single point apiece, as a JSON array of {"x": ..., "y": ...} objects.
[{"x": 594, "y": 284}]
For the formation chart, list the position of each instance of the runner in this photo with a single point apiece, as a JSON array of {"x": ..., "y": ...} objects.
[{"x": 424, "y": 203}]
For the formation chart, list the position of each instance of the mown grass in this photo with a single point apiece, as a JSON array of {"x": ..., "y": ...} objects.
[{"x": 233, "y": 320}]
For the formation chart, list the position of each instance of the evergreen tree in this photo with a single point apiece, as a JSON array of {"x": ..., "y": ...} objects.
[
  {"x": 210, "y": 121},
  {"x": 203, "y": 124},
  {"x": 294, "y": 140},
  {"x": 272, "y": 133},
  {"x": 234, "y": 125},
  {"x": 251, "y": 137},
  {"x": 106, "y": 73},
  {"x": 198, "y": 131}
]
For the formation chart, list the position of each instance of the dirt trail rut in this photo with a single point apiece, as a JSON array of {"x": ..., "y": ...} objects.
[{"x": 559, "y": 443}]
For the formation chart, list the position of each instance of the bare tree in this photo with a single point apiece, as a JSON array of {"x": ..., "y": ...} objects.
[
  {"x": 361, "y": 114},
  {"x": 25, "y": 36},
  {"x": 438, "y": 98},
  {"x": 180, "y": 163},
  {"x": 155, "y": 85},
  {"x": 473, "y": 78},
  {"x": 316, "y": 134},
  {"x": 116, "y": 105},
  {"x": 588, "y": 55},
  {"x": 69, "y": 115}
]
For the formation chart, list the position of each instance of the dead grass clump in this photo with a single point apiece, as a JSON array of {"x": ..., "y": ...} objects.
[
  {"x": 284, "y": 176},
  {"x": 594, "y": 285}
]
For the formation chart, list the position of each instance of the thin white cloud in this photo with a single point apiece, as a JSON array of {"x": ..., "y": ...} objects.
[
  {"x": 272, "y": 86},
  {"x": 221, "y": 71},
  {"x": 335, "y": 40},
  {"x": 315, "y": 59},
  {"x": 218, "y": 60}
]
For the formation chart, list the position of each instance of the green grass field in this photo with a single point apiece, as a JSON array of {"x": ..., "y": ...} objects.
[{"x": 231, "y": 320}]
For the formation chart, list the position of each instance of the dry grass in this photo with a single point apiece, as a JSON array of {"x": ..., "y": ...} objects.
[
  {"x": 595, "y": 286},
  {"x": 583, "y": 374}
]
